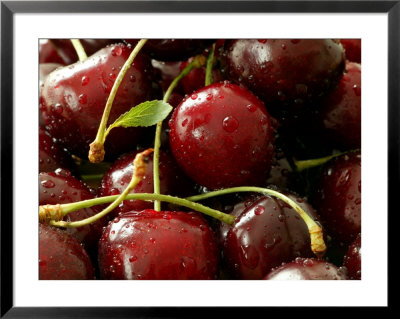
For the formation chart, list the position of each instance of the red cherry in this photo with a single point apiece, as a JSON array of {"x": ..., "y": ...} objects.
[
  {"x": 352, "y": 260},
  {"x": 338, "y": 197},
  {"x": 117, "y": 178},
  {"x": 49, "y": 53},
  {"x": 266, "y": 233},
  {"x": 60, "y": 187},
  {"x": 341, "y": 113},
  {"x": 61, "y": 257},
  {"x": 352, "y": 49},
  {"x": 73, "y": 100},
  {"x": 222, "y": 136},
  {"x": 287, "y": 73},
  {"x": 307, "y": 269},
  {"x": 52, "y": 155},
  {"x": 158, "y": 245}
]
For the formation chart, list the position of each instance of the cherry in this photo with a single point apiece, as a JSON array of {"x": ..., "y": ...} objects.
[
  {"x": 61, "y": 257},
  {"x": 196, "y": 78},
  {"x": 52, "y": 155},
  {"x": 60, "y": 187},
  {"x": 222, "y": 136},
  {"x": 341, "y": 112},
  {"x": 266, "y": 233},
  {"x": 45, "y": 69},
  {"x": 287, "y": 73},
  {"x": 116, "y": 179},
  {"x": 49, "y": 53},
  {"x": 338, "y": 197},
  {"x": 73, "y": 100},
  {"x": 307, "y": 269},
  {"x": 352, "y": 48},
  {"x": 90, "y": 46},
  {"x": 352, "y": 260},
  {"x": 172, "y": 49},
  {"x": 158, "y": 245}
]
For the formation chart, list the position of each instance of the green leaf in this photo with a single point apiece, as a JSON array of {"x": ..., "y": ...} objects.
[{"x": 145, "y": 114}]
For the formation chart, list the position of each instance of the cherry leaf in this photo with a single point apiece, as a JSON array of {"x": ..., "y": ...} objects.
[{"x": 145, "y": 114}]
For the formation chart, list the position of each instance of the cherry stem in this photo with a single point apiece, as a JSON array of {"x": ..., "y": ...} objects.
[
  {"x": 139, "y": 170},
  {"x": 306, "y": 164},
  {"x": 80, "y": 51},
  {"x": 96, "y": 153},
  {"x": 316, "y": 235},
  {"x": 197, "y": 62},
  {"x": 64, "y": 209},
  {"x": 209, "y": 68}
]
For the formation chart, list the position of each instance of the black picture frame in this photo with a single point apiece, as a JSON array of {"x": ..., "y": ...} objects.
[{"x": 9, "y": 8}]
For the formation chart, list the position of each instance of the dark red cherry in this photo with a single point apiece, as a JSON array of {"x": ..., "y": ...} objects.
[
  {"x": 352, "y": 49},
  {"x": 266, "y": 233},
  {"x": 287, "y": 73},
  {"x": 73, "y": 100},
  {"x": 45, "y": 69},
  {"x": 172, "y": 49},
  {"x": 158, "y": 245},
  {"x": 195, "y": 80},
  {"x": 90, "y": 46},
  {"x": 61, "y": 257},
  {"x": 117, "y": 178},
  {"x": 307, "y": 269},
  {"x": 49, "y": 53},
  {"x": 341, "y": 110},
  {"x": 60, "y": 187},
  {"x": 352, "y": 260},
  {"x": 222, "y": 136},
  {"x": 338, "y": 197},
  {"x": 52, "y": 155}
]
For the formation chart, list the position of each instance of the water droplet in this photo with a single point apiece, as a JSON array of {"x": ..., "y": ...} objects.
[
  {"x": 251, "y": 107},
  {"x": 184, "y": 122},
  {"x": 82, "y": 98},
  {"x": 193, "y": 96},
  {"x": 48, "y": 184},
  {"x": 209, "y": 97},
  {"x": 259, "y": 210},
  {"x": 132, "y": 259},
  {"x": 262, "y": 41},
  {"x": 230, "y": 124},
  {"x": 85, "y": 80},
  {"x": 357, "y": 90},
  {"x": 58, "y": 108},
  {"x": 116, "y": 51}
]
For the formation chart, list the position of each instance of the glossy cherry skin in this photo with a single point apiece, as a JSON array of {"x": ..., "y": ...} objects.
[
  {"x": 287, "y": 73},
  {"x": 338, "y": 197},
  {"x": 307, "y": 269},
  {"x": 45, "y": 69},
  {"x": 61, "y": 256},
  {"x": 172, "y": 49},
  {"x": 222, "y": 136},
  {"x": 158, "y": 245},
  {"x": 52, "y": 155},
  {"x": 352, "y": 49},
  {"x": 60, "y": 187},
  {"x": 118, "y": 176},
  {"x": 341, "y": 110},
  {"x": 265, "y": 234},
  {"x": 73, "y": 99},
  {"x": 352, "y": 259}
]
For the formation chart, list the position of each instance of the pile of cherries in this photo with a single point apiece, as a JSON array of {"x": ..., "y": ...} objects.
[{"x": 279, "y": 114}]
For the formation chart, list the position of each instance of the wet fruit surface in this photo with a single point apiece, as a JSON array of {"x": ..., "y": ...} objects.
[
  {"x": 158, "y": 245},
  {"x": 61, "y": 257},
  {"x": 265, "y": 234},
  {"x": 73, "y": 99},
  {"x": 222, "y": 136},
  {"x": 307, "y": 269},
  {"x": 288, "y": 73},
  {"x": 338, "y": 197},
  {"x": 352, "y": 259}
]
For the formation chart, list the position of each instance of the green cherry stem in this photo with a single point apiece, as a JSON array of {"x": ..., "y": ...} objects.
[
  {"x": 54, "y": 213},
  {"x": 209, "y": 68},
  {"x": 80, "y": 51},
  {"x": 197, "y": 62},
  {"x": 306, "y": 164},
  {"x": 96, "y": 153},
  {"x": 316, "y": 235},
  {"x": 139, "y": 170}
]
